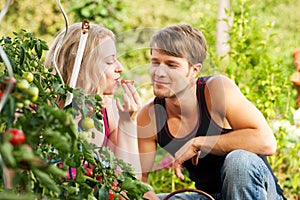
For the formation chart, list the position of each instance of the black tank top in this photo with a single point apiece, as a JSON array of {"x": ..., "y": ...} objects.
[{"x": 206, "y": 174}]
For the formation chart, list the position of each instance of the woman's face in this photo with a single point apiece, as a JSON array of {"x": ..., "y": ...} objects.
[{"x": 110, "y": 66}]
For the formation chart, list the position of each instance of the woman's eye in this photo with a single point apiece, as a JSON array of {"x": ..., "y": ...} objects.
[{"x": 110, "y": 62}]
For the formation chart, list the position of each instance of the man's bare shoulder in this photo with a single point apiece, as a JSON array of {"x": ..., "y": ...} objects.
[
  {"x": 146, "y": 113},
  {"x": 221, "y": 85},
  {"x": 218, "y": 80}
]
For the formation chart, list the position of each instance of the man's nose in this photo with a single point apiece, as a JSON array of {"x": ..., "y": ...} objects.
[{"x": 161, "y": 70}]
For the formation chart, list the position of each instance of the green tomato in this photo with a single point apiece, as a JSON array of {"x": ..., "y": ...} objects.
[
  {"x": 19, "y": 105},
  {"x": 27, "y": 102},
  {"x": 35, "y": 64},
  {"x": 34, "y": 93},
  {"x": 28, "y": 76},
  {"x": 87, "y": 123},
  {"x": 45, "y": 70},
  {"x": 84, "y": 135},
  {"x": 23, "y": 84}
]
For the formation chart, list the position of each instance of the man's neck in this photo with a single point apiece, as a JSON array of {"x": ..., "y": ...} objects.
[{"x": 183, "y": 104}]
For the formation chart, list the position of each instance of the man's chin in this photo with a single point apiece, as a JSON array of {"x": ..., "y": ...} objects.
[{"x": 160, "y": 94}]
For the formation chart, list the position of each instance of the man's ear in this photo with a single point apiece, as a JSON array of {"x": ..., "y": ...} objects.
[{"x": 196, "y": 68}]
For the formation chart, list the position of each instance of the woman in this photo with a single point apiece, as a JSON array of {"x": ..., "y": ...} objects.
[{"x": 100, "y": 74}]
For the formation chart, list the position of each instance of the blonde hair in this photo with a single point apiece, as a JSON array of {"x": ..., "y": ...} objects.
[{"x": 90, "y": 75}]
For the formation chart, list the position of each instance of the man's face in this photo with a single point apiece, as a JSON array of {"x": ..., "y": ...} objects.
[{"x": 170, "y": 75}]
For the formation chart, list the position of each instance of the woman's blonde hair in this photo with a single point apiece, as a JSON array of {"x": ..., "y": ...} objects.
[{"x": 90, "y": 75}]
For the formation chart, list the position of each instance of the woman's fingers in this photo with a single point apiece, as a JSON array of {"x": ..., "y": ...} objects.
[
  {"x": 134, "y": 94},
  {"x": 131, "y": 98},
  {"x": 119, "y": 105}
]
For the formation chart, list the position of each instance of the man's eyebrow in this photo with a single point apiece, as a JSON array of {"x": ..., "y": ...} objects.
[
  {"x": 154, "y": 58},
  {"x": 172, "y": 61}
]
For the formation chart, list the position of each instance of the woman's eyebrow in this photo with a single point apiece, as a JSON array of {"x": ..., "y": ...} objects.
[{"x": 110, "y": 57}]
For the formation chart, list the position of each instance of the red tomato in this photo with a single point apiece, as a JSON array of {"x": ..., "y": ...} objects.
[
  {"x": 1, "y": 94},
  {"x": 10, "y": 79},
  {"x": 111, "y": 195},
  {"x": 18, "y": 136},
  {"x": 91, "y": 109},
  {"x": 127, "y": 81},
  {"x": 89, "y": 172},
  {"x": 99, "y": 178}
]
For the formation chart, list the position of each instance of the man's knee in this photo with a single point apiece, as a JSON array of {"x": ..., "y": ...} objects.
[{"x": 240, "y": 163}]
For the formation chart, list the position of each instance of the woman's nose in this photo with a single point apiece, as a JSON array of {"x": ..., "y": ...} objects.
[{"x": 119, "y": 67}]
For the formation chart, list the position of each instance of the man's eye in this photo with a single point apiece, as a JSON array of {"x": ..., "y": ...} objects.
[
  {"x": 155, "y": 64},
  {"x": 172, "y": 65}
]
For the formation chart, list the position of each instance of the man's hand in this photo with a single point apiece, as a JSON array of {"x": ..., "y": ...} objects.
[{"x": 190, "y": 150}]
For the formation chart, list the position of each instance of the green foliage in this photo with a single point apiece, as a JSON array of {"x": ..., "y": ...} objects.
[
  {"x": 252, "y": 67},
  {"x": 165, "y": 181},
  {"x": 285, "y": 162},
  {"x": 259, "y": 75},
  {"x": 55, "y": 161},
  {"x": 106, "y": 12},
  {"x": 163, "y": 178}
]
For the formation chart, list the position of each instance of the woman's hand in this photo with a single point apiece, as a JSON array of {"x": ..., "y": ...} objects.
[{"x": 132, "y": 103}]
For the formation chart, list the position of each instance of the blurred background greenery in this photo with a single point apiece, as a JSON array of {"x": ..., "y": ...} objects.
[{"x": 263, "y": 36}]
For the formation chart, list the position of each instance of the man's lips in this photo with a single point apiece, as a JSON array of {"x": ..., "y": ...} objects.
[{"x": 160, "y": 83}]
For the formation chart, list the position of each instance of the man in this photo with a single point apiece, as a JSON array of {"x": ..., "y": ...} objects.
[{"x": 207, "y": 124}]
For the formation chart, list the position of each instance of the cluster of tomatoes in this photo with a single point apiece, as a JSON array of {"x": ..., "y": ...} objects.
[
  {"x": 20, "y": 87},
  {"x": 24, "y": 94},
  {"x": 115, "y": 187},
  {"x": 23, "y": 91}
]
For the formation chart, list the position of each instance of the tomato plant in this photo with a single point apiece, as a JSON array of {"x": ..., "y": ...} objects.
[{"x": 54, "y": 152}]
